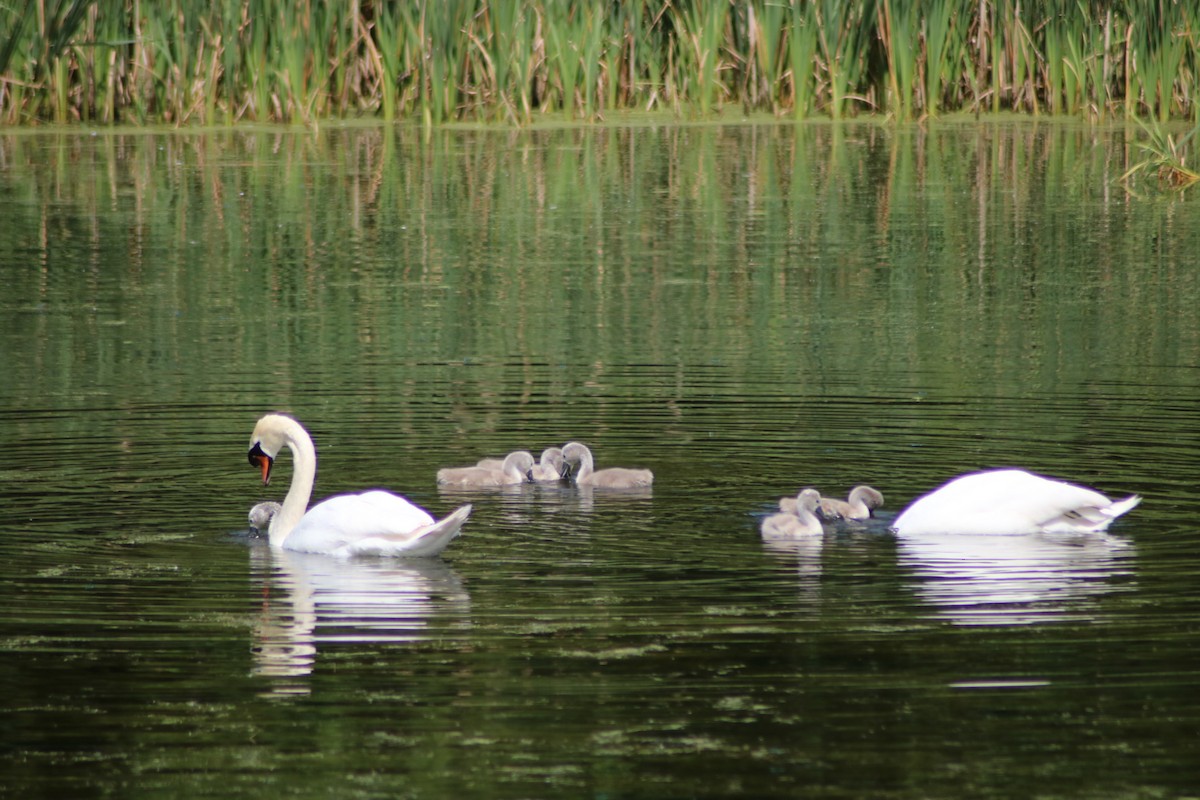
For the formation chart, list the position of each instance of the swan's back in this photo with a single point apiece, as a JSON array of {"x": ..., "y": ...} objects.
[
  {"x": 857, "y": 506},
  {"x": 514, "y": 470},
  {"x": 473, "y": 477},
  {"x": 426, "y": 541},
  {"x": 341, "y": 520},
  {"x": 790, "y": 526},
  {"x": 1010, "y": 501},
  {"x": 618, "y": 478}
]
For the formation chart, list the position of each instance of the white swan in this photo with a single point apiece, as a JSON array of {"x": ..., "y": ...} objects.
[
  {"x": 796, "y": 519},
  {"x": 371, "y": 523},
  {"x": 1010, "y": 501},
  {"x": 550, "y": 468},
  {"x": 513, "y": 470},
  {"x": 857, "y": 506},
  {"x": 609, "y": 478},
  {"x": 261, "y": 514}
]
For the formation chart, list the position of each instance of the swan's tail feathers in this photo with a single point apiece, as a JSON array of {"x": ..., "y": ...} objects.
[
  {"x": 1091, "y": 519},
  {"x": 432, "y": 539},
  {"x": 1122, "y": 506},
  {"x": 423, "y": 542}
]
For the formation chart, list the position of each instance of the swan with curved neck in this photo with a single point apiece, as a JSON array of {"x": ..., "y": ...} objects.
[
  {"x": 1011, "y": 501},
  {"x": 796, "y": 519},
  {"x": 857, "y": 506},
  {"x": 514, "y": 469},
  {"x": 550, "y": 467},
  {"x": 371, "y": 523},
  {"x": 608, "y": 478}
]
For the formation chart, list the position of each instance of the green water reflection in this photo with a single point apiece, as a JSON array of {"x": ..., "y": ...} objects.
[{"x": 744, "y": 309}]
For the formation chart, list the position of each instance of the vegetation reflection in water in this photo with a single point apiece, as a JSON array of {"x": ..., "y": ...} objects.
[{"x": 744, "y": 310}]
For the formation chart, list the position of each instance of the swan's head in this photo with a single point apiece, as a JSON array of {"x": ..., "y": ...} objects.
[
  {"x": 871, "y": 497},
  {"x": 574, "y": 452},
  {"x": 553, "y": 457},
  {"x": 809, "y": 499},
  {"x": 261, "y": 514},
  {"x": 520, "y": 460},
  {"x": 269, "y": 437}
]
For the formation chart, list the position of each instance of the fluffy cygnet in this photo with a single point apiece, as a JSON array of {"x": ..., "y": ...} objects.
[
  {"x": 800, "y": 521},
  {"x": 608, "y": 478},
  {"x": 514, "y": 470},
  {"x": 860, "y": 503},
  {"x": 551, "y": 467}
]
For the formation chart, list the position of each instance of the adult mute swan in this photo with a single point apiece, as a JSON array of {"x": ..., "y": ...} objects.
[
  {"x": 371, "y": 523},
  {"x": 261, "y": 514},
  {"x": 514, "y": 469},
  {"x": 857, "y": 506},
  {"x": 609, "y": 478},
  {"x": 1010, "y": 501},
  {"x": 796, "y": 519}
]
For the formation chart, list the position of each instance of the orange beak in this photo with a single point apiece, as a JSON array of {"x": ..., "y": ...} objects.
[{"x": 263, "y": 461}]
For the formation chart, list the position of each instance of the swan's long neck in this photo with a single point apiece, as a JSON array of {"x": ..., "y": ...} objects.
[
  {"x": 304, "y": 470},
  {"x": 863, "y": 499},
  {"x": 807, "y": 503},
  {"x": 512, "y": 469},
  {"x": 586, "y": 465}
]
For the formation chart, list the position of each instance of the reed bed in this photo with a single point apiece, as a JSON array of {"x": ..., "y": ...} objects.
[{"x": 300, "y": 61}]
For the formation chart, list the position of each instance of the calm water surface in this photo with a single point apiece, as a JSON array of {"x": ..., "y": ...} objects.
[{"x": 744, "y": 309}]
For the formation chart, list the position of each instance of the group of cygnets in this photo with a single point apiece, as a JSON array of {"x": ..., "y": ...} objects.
[
  {"x": 573, "y": 460},
  {"x": 802, "y": 515}
]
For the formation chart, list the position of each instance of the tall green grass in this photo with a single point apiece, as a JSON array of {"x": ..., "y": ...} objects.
[{"x": 223, "y": 61}]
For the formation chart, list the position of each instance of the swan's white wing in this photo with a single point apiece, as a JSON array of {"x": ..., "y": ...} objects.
[
  {"x": 428, "y": 540},
  {"x": 1009, "y": 502},
  {"x": 1091, "y": 518},
  {"x": 347, "y": 518}
]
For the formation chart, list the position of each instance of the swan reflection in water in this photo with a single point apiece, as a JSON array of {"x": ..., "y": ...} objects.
[
  {"x": 801, "y": 559},
  {"x": 556, "y": 497},
  {"x": 310, "y": 600},
  {"x": 1016, "y": 580}
]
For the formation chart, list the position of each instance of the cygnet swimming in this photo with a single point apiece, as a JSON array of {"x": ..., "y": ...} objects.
[
  {"x": 551, "y": 467},
  {"x": 858, "y": 506},
  {"x": 800, "y": 521},
  {"x": 608, "y": 478},
  {"x": 514, "y": 470}
]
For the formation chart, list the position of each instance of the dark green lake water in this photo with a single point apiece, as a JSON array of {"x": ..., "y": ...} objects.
[{"x": 743, "y": 309}]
